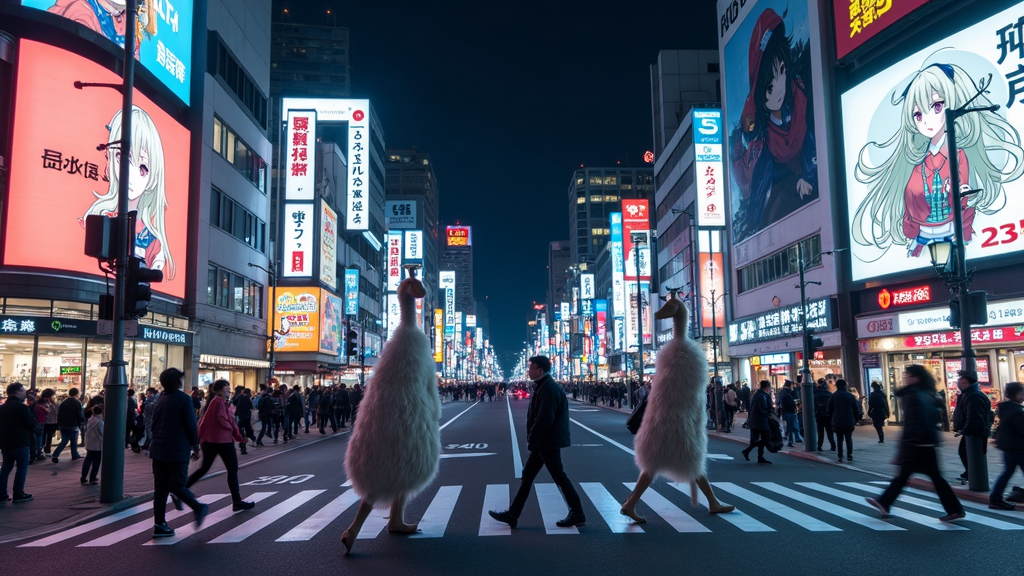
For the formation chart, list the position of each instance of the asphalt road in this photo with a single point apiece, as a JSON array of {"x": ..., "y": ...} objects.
[{"x": 794, "y": 517}]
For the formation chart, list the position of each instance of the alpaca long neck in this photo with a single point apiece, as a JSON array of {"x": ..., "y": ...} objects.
[
  {"x": 679, "y": 325},
  {"x": 407, "y": 303}
]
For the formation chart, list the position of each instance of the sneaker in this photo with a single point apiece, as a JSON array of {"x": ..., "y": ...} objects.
[
  {"x": 242, "y": 506},
  {"x": 54, "y": 460},
  {"x": 84, "y": 482},
  {"x": 200, "y": 514},
  {"x": 849, "y": 457},
  {"x": 953, "y": 517},
  {"x": 22, "y": 498},
  {"x": 162, "y": 530},
  {"x": 878, "y": 506}
]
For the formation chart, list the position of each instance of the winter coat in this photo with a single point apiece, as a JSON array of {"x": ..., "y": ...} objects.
[
  {"x": 42, "y": 412},
  {"x": 51, "y": 412},
  {"x": 94, "y": 433},
  {"x": 921, "y": 416},
  {"x": 547, "y": 418},
  {"x": 844, "y": 410},
  {"x": 266, "y": 408},
  {"x": 294, "y": 406},
  {"x": 672, "y": 440},
  {"x": 760, "y": 409},
  {"x": 395, "y": 447},
  {"x": 325, "y": 405},
  {"x": 971, "y": 415},
  {"x": 821, "y": 398},
  {"x": 878, "y": 405},
  {"x": 17, "y": 425},
  {"x": 341, "y": 400},
  {"x": 787, "y": 402},
  {"x": 243, "y": 408},
  {"x": 175, "y": 432},
  {"x": 218, "y": 424},
  {"x": 1010, "y": 434},
  {"x": 70, "y": 414}
]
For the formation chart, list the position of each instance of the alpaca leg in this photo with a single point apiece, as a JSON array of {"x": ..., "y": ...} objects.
[
  {"x": 629, "y": 507},
  {"x": 714, "y": 506},
  {"x": 349, "y": 537},
  {"x": 396, "y": 523}
]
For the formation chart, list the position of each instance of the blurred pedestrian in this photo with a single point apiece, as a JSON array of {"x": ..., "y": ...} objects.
[
  {"x": 218, "y": 433},
  {"x": 17, "y": 424},
  {"x": 972, "y": 415},
  {"x": 787, "y": 408},
  {"x": 760, "y": 411},
  {"x": 821, "y": 418},
  {"x": 878, "y": 410},
  {"x": 1009, "y": 439}
]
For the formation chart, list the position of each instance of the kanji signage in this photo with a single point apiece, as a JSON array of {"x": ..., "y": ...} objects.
[
  {"x": 300, "y": 165},
  {"x": 618, "y": 269},
  {"x": 857, "y": 21},
  {"x": 636, "y": 220},
  {"x": 298, "y": 240},
  {"x": 400, "y": 214},
  {"x": 904, "y": 296},
  {"x": 413, "y": 246},
  {"x": 1009, "y": 334},
  {"x": 358, "y": 216},
  {"x": 328, "y": 245},
  {"x": 394, "y": 260},
  {"x": 784, "y": 322},
  {"x": 459, "y": 236},
  {"x": 587, "y": 286},
  {"x": 708, "y": 168},
  {"x": 351, "y": 291},
  {"x": 13, "y": 325}
]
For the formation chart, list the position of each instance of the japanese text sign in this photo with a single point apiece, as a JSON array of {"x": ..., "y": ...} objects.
[
  {"x": 785, "y": 322},
  {"x": 300, "y": 166},
  {"x": 857, "y": 21},
  {"x": 298, "y": 241},
  {"x": 351, "y": 291},
  {"x": 400, "y": 214},
  {"x": 328, "y": 245},
  {"x": 708, "y": 168},
  {"x": 394, "y": 260}
]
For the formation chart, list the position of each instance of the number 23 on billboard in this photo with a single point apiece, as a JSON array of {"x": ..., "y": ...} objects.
[{"x": 1009, "y": 234}]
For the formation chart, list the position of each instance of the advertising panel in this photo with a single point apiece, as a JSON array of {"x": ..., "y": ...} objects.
[
  {"x": 636, "y": 219},
  {"x": 413, "y": 246},
  {"x": 630, "y": 327},
  {"x": 394, "y": 260},
  {"x": 564, "y": 310},
  {"x": 394, "y": 314},
  {"x": 783, "y": 322},
  {"x": 712, "y": 287},
  {"x": 300, "y": 177},
  {"x": 899, "y": 190},
  {"x": 707, "y": 150},
  {"x": 602, "y": 331},
  {"x": 351, "y": 291},
  {"x": 587, "y": 286},
  {"x": 58, "y": 177},
  {"x": 769, "y": 114},
  {"x": 163, "y": 42},
  {"x": 438, "y": 335},
  {"x": 296, "y": 323},
  {"x": 357, "y": 217},
  {"x": 446, "y": 282},
  {"x": 298, "y": 240},
  {"x": 858, "y": 22},
  {"x": 332, "y": 324},
  {"x": 400, "y": 214},
  {"x": 328, "y": 245},
  {"x": 459, "y": 236},
  {"x": 470, "y": 320},
  {"x": 618, "y": 269}
]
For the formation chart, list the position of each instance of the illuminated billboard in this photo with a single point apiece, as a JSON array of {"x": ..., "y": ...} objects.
[
  {"x": 328, "y": 245},
  {"x": 459, "y": 236},
  {"x": 163, "y": 40},
  {"x": 438, "y": 335},
  {"x": 618, "y": 268},
  {"x": 298, "y": 240},
  {"x": 57, "y": 177},
  {"x": 898, "y": 185},
  {"x": 707, "y": 151},
  {"x": 351, "y": 291},
  {"x": 400, "y": 214},
  {"x": 768, "y": 87},
  {"x": 332, "y": 324},
  {"x": 414, "y": 246},
  {"x": 636, "y": 220},
  {"x": 446, "y": 282},
  {"x": 858, "y": 22},
  {"x": 394, "y": 260},
  {"x": 296, "y": 321},
  {"x": 300, "y": 162},
  {"x": 587, "y": 286},
  {"x": 712, "y": 278}
]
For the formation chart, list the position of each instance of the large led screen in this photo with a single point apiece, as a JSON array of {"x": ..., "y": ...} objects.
[
  {"x": 899, "y": 191},
  {"x": 163, "y": 42},
  {"x": 58, "y": 177}
]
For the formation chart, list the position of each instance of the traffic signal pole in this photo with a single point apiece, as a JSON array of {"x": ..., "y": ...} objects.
[
  {"x": 806, "y": 380},
  {"x": 115, "y": 384}
]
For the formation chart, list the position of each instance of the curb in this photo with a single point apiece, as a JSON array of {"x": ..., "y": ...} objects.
[{"x": 141, "y": 498}]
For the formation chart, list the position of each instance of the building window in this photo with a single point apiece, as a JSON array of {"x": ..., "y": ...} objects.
[
  {"x": 224, "y": 65},
  {"x": 779, "y": 265},
  {"x": 581, "y": 200},
  {"x": 230, "y": 147},
  {"x": 235, "y": 292},
  {"x": 595, "y": 180},
  {"x": 611, "y": 180},
  {"x": 230, "y": 217}
]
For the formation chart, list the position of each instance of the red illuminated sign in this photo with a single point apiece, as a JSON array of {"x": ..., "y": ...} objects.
[
  {"x": 858, "y": 21},
  {"x": 978, "y": 336},
  {"x": 918, "y": 295},
  {"x": 649, "y": 157},
  {"x": 458, "y": 236}
]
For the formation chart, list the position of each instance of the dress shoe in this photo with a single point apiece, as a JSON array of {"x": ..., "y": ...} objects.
[
  {"x": 953, "y": 517},
  {"x": 200, "y": 514},
  {"x": 840, "y": 460},
  {"x": 20, "y": 499},
  {"x": 746, "y": 455},
  {"x": 1001, "y": 505},
  {"x": 162, "y": 530},
  {"x": 763, "y": 461},
  {"x": 177, "y": 503},
  {"x": 239, "y": 507},
  {"x": 578, "y": 519},
  {"x": 505, "y": 517}
]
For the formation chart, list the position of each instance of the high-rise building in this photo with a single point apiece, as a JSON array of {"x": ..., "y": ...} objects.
[
  {"x": 594, "y": 193},
  {"x": 411, "y": 202},
  {"x": 680, "y": 80},
  {"x": 559, "y": 273},
  {"x": 310, "y": 60},
  {"x": 456, "y": 253}
]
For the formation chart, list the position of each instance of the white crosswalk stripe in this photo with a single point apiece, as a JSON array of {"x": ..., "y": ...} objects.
[
  {"x": 763, "y": 507},
  {"x": 1018, "y": 514}
]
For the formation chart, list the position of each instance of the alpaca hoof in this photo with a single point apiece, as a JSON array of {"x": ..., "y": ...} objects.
[
  {"x": 403, "y": 528},
  {"x": 632, "y": 514},
  {"x": 722, "y": 509},
  {"x": 347, "y": 539}
]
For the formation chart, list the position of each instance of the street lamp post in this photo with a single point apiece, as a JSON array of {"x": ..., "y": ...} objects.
[
  {"x": 806, "y": 380},
  {"x": 639, "y": 239},
  {"x": 271, "y": 271}
]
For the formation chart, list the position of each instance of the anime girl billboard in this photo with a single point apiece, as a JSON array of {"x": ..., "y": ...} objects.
[
  {"x": 899, "y": 191},
  {"x": 772, "y": 150}
]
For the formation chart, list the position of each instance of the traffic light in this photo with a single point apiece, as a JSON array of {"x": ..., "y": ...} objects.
[
  {"x": 811, "y": 344},
  {"x": 137, "y": 292},
  {"x": 351, "y": 343}
]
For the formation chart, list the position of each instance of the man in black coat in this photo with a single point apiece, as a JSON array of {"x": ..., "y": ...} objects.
[
  {"x": 175, "y": 437},
  {"x": 845, "y": 411},
  {"x": 1009, "y": 439},
  {"x": 17, "y": 425},
  {"x": 971, "y": 415},
  {"x": 547, "y": 432},
  {"x": 760, "y": 411},
  {"x": 243, "y": 413},
  {"x": 70, "y": 419},
  {"x": 821, "y": 418},
  {"x": 878, "y": 409}
]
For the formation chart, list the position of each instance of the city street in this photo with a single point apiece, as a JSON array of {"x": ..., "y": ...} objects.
[{"x": 793, "y": 517}]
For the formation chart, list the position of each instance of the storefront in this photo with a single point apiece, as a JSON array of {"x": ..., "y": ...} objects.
[
  {"x": 246, "y": 372},
  {"x": 888, "y": 343}
]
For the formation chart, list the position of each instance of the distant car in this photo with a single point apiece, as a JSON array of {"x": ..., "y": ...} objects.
[{"x": 521, "y": 394}]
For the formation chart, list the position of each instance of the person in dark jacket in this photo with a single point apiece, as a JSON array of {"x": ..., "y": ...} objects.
[
  {"x": 918, "y": 446},
  {"x": 325, "y": 411},
  {"x": 787, "y": 409},
  {"x": 342, "y": 407},
  {"x": 354, "y": 398},
  {"x": 70, "y": 419},
  {"x": 745, "y": 397},
  {"x": 878, "y": 409},
  {"x": 295, "y": 408},
  {"x": 844, "y": 410},
  {"x": 243, "y": 413},
  {"x": 1009, "y": 439},
  {"x": 17, "y": 425},
  {"x": 821, "y": 418},
  {"x": 265, "y": 409},
  {"x": 760, "y": 411},
  {"x": 175, "y": 438},
  {"x": 547, "y": 432},
  {"x": 971, "y": 415}
]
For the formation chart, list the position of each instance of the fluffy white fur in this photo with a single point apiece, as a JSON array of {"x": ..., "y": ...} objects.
[
  {"x": 672, "y": 440},
  {"x": 396, "y": 445}
]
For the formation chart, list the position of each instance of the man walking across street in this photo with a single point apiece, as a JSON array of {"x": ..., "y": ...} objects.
[
  {"x": 878, "y": 410},
  {"x": 175, "y": 436},
  {"x": 821, "y": 418},
  {"x": 1009, "y": 439},
  {"x": 547, "y": 432},
  {"x": 787, "y": 406},
  {"x": 760, "y": 410},
  {"x": 845, "y": 411},
  {"x": 17, "y": 424},
  {"x": 971, "y": 415},
  {"x": 70, "y": 418}
]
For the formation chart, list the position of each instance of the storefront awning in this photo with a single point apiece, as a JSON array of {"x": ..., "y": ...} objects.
[{"x": 233, "y": 361}]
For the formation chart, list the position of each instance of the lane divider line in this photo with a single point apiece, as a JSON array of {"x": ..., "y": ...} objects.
[
  {"x": 445, "y": 425},
  {"x": 603, "y": 437},
  {"x": 517, "y": 459}
]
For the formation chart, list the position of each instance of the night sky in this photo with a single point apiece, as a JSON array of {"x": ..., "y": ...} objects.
[{"x": 509, "y": 98}]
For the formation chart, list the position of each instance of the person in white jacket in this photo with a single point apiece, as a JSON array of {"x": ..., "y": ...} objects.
[{"x": 93, "y": 446}]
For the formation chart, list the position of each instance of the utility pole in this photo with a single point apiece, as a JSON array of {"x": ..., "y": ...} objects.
[
  {"x": 717, "y": 384},
  {"x": 115, "y": 383},
  {"x": 806, "y": 380}
]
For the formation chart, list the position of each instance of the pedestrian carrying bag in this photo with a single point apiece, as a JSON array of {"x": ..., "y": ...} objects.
[
  {"x": 634, "y": 420},
  {"x": 774, "y": 434}
]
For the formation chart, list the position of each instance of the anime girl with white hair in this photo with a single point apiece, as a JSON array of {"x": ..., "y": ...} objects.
[
  {"x": 909, "y": 202},
  {"x": 146, "y": 189}
]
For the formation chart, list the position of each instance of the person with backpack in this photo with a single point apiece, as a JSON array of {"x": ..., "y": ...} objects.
[
  {"x": 325, "y": 411},
  {"x": 972, "y": 416},
  {"x": 821, "y": 418},
  {"x": 918, "y": 452},
  {"x": 845, "y": 411},
  {"x": 878, "y": 410},
  {"x": 265, "y": 410}
]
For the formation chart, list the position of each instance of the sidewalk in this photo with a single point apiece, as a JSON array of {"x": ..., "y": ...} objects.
[
  {"x": 60, "y": 499},
  {"x": 873, "y": 458}
]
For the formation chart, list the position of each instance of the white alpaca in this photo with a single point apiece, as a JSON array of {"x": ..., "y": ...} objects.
[
  {"x": 395, "y": 447},
  {"x": 672, "y": 440}
]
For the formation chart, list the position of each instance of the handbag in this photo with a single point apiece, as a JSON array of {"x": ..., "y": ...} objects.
[
  {"x": 774, "y": 443},
  {"x": 634, "y": 420}
]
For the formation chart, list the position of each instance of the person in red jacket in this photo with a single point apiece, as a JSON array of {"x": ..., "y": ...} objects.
[{"x": 218, "y": 433}]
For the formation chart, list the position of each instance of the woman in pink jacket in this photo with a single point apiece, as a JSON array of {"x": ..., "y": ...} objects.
[{"x": 218, "y": 433}]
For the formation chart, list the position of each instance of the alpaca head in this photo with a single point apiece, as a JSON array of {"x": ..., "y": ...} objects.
[
  {"x": 411, "y": 288},
  {"x": 675, "y": 309}
]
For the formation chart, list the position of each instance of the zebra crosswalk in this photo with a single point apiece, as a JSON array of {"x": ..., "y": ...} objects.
[{"x": 455, "y": 511}]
